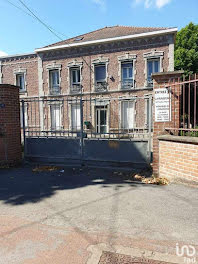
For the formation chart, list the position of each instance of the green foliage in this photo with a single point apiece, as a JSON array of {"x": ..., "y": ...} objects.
[{"x": 186, "y": 49}]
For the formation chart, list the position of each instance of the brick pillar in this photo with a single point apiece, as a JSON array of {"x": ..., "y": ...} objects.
[
  {"x": 162, "y": 80},
  {"x": 10, "y": 129}
]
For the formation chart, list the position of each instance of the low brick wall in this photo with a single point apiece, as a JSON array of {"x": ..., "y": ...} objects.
[
  {"x": 10, "y": 131},
  {"x": 178, "y": 157}
]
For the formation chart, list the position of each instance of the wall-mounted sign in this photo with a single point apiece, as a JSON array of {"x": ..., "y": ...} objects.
[
  {"x": 162, "y": 105},
  {"x": 2, "y": 105}
]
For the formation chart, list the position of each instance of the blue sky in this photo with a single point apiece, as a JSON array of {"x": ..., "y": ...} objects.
[{"x": 20, "y": 33}]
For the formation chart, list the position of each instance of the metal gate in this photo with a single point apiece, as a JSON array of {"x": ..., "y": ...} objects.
[{"x": 83, "y": 130}]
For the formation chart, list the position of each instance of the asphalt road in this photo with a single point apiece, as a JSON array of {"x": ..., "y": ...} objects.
[{"x": 91, "y": 201}]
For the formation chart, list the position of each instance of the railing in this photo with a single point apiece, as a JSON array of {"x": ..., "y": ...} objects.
[
  {"x": 182, "y": 132},
  {"x": 75, "y": 88},
  {"x": 54, "y": 90},
  {"x": 149, "y": 83},
  {"x": 129, "y": 84},
  {"x": 185, "y": 97},
  {"x": 69, "y": 117},
  {"x": 101, "y": 86}
]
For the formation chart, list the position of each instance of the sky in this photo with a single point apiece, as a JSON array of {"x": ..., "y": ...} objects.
[{"x": 21, "y": 33}]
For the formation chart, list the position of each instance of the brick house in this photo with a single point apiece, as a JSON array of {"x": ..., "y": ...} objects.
[{"x": 113, "y": 62}]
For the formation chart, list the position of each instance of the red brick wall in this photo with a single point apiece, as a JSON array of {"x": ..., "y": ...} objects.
[
  {"x": 30, "y": 64},
  {"x": 10, "y": 132},
  {"x": 178, "y": 159}
]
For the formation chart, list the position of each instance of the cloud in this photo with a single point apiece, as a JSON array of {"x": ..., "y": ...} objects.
[
  {"x": 2, "y": 53},
  {"x": 161, "y": 3},
  {"x": 150, "y": 3},
  {"x": 101, "y": 4}
]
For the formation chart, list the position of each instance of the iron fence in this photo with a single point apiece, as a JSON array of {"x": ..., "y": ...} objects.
[{"x": 187, "y": 97}]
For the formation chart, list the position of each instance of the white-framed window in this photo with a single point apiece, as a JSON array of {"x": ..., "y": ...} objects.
[
  {"x": 147, "y": 112},
  {"x": 20, "y": 81},
  {"x": 127, "y": 114},
  {"x": 100, "y": 76},
  {"x": 75, "y": 79},
  {"x": 153, "y": 65},
  {"x": 101, "y": 119},
  {"x": 55, "y": 112},
  {"x": 127, "y": 74},
  {"x": 54, "y": 81},
  {"x": 75, "y": 117}
]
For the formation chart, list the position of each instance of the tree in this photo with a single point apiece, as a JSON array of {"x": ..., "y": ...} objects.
[{"x": 186, "y": 49}]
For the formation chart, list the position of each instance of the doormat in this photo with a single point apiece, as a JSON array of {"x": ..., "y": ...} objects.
[{"x": 114, "y": 258}]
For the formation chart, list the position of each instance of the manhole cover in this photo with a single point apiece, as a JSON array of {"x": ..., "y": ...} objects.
[{"x": 114, "y": 258}]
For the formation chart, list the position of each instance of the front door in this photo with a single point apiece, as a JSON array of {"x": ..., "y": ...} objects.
[{"x": 101, "y": 119}]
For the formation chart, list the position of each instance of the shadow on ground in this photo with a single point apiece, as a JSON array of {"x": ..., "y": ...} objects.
[{"x": 22, "y": 185}]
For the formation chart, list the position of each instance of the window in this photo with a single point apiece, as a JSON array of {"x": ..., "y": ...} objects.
[
  {"x": 54, "y": 82},
  {"x": 127, "y": 75},
  {"x": 75, "y": 79},
  {"x": 75, "y": 117},
  {"x": 127, "y": 114},
  {"x": 100, "y": 77},
  {"x": 55, "y": 117},
  {"x": 152, "y": 67},
  {"x": 101, "y": 119},
  {"x": 20, "y": 81},
  {"x": 147, "y": 110}
]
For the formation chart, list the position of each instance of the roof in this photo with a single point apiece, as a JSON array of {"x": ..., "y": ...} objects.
[{"x": 106, "y": 33}]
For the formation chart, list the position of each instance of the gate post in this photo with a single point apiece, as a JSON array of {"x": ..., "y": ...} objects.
[
  {"x": 160, "y": 81},
  {"x": 81, "y": 130},
  {"x": 150, "y": 124},
  {"x": 23, "y": 118}
]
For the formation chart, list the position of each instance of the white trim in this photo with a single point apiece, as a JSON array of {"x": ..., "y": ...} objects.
[
  {"x": 24, "y": 72},
  {"x": 52, "y": 67},
  {"x": 127, "y": 57},
  {"x": 133, "y": 100},
  {"x": 153, "y": 54},
  {"x": 171, "y": 48},
  {"x": 74, "y": 64},
  {"x": 134, "y": 36},
  {"x": 97, "y": 61},
  {"x": 17, "y": 55}
]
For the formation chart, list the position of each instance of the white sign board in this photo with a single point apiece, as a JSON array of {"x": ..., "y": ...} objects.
[{"x": 162, "y": 105}]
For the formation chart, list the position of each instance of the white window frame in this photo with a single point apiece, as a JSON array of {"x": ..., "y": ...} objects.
[
  {"x": 77, "y": 84},
  {"x": 97, "y": 62},
  {"x": 146, "y": 113},
  {"x": 54, "y": 67},
  {"x": 99, "y": 108},
  {"x": 24, "y": 73},
  {"x": 132, "y": 78},
  {"x": 71, "y": 65},
  {"x": 152, "y": 55},
  {"x": 121, "y": 113},
  {"x": 153, "y": 67},
  {"x": 55, "y": 105},
  {"x": 127, "y": 58},
  {"x": 75, "y": 129}
]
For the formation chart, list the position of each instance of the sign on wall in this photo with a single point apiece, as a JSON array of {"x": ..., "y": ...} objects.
[{"x": 162, "y": 105}]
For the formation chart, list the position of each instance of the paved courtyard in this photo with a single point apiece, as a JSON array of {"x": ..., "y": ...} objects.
[{"x": 76, "y": 215}]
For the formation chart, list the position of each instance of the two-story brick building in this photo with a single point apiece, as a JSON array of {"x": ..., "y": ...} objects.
[{"x": 109, "y": 68}]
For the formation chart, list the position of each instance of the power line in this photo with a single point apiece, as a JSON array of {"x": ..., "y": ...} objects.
[
  {"x": 53, "y": 31},
  {"x": 43, "y": 23},
  {"x": 27, "y": 13}
]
